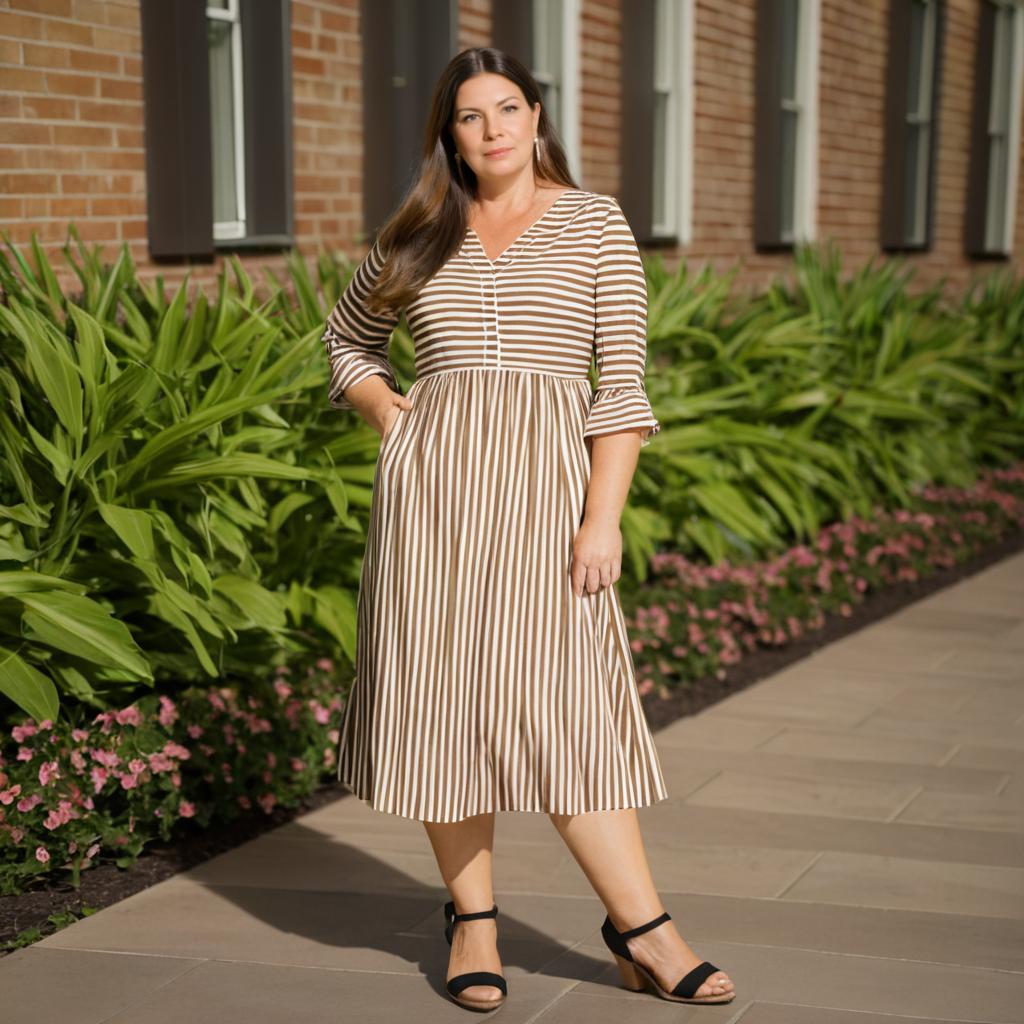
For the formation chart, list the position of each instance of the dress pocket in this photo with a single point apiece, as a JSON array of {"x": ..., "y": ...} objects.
[{"x": 385, "y": 440}]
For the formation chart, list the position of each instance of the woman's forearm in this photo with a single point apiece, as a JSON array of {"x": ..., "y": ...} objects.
[{"x": 613, "y": 462}]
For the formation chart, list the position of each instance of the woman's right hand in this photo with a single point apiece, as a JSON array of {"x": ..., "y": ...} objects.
[{"x": 390, "y": 412}]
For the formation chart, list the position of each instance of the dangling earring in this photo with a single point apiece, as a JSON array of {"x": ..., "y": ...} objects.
[{"x": 536, "y": 147}]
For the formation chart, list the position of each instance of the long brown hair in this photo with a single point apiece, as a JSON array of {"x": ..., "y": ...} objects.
[{"x": 431, "y": 222}]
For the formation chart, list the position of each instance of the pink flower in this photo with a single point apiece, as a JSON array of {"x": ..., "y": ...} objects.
[
  {"x": 41, "y": 855},
  {"x": 325, "y": 665},
  {"x": 283, "y": 689},
  {"x": 160, "y": 762},
  {"x": 28, "y": 802},
  {"x": 168, "y": 713},
  {"x": 7, "y": 795},
  {"x": 128, "y": 716},
  {"x": 267, "y": 802},
  {"x": 23, "y": 732},
  {"x": 186, "y": 810}
]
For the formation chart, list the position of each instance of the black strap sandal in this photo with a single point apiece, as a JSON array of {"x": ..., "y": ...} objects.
[
  {"x": 462, "y": 981},
  {"x": 636, "y": 977}
]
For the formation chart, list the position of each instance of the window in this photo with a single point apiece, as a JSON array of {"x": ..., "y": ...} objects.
[
  {"x": 785, "y": 177},
  {"x": 672, "y": 163},
  {"x": 912, "y": 82},
  {"x": 218, "y": 99},
  {"x": 555, "y": 49},
  {"x": 995, "y": 138},
  {"x": 227, "y": 133}
]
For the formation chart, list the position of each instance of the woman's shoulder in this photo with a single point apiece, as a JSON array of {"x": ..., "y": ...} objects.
[{"x": 598, "y": 203}]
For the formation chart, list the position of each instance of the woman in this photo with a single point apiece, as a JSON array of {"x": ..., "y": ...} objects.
[{"x": 493, "y": 667}]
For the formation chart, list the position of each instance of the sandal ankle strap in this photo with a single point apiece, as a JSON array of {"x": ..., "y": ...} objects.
[
  {"x": 646, "y": 927},
  {"x": 477, "y": 914}
]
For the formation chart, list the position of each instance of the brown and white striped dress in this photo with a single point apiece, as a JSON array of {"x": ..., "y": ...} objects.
[{"x": 482, "y": 682}]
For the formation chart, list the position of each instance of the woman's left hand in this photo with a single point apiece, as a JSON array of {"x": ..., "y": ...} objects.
[{"x": 596, "y": 557}]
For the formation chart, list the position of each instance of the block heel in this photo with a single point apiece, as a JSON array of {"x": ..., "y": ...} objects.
[
  {"x": 637, "y": 978},
  {"x": 631, "y": 977}
]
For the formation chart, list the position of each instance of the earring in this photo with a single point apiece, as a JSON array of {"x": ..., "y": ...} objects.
[{"x": 536, "y": 146}]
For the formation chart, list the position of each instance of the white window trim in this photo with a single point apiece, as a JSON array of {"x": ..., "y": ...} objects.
[
  {"x": 925, "y": 91},
  {"x": 223, "y": 230},
  {"x": 679, "y": 156},
  {"x": 805, "y": 205},
  {"x": 572, "y": 44},
  {"x": 1013, "y": 140}
]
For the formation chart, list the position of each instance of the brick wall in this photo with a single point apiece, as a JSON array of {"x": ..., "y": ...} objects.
[{"x": 71, "y": 131}]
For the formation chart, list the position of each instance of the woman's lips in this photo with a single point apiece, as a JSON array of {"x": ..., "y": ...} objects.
[{"x": 498, "y": 152}]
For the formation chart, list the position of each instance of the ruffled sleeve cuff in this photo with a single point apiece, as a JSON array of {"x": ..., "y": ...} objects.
[
  {"x": 349, "y": 365},
  {"x": 614, "y": 410}
]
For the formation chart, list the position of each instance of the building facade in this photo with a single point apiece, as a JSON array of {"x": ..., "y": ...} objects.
[{"x": 729, "y": 130}]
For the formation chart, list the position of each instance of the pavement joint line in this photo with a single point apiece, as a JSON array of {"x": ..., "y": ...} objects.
[
  {"x": 735, "y": 1019},
  {"x": 149, "y": 995},
  {"x": 701, "y": 785},
  {"x": 873, "y": 1013},
  {"x": 800, "y": 874},
  {"x": 864, "y": 956},
  {"x": 768, "y": 739},
  {"x": 897, "y": 811},
  {"x": 558, "y": 998},
  {"x": 1002, "y": 785},
  {"x": 950, "y": 754}
]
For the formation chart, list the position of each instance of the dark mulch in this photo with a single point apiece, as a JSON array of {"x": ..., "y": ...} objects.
[{"x": 105, "y": 884}]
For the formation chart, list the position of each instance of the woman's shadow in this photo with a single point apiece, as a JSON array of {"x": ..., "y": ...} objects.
[{"x": 370, "y": 885}]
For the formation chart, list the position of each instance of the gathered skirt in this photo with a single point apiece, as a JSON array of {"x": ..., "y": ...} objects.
[{"x": 483, "y": 683}]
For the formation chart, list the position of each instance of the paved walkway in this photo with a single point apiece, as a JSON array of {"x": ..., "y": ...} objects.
[{"x": 846, "y": 838}]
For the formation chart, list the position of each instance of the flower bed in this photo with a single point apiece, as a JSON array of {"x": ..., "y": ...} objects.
[{"x": 692, "y": 620}]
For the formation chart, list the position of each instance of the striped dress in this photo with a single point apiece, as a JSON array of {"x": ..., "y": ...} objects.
[{"x": 483, "y": 683}]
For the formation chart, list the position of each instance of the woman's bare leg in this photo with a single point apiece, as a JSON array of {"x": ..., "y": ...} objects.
[
  {"x": 464, "y": 851},
  {"x": 609, "y": 848}
]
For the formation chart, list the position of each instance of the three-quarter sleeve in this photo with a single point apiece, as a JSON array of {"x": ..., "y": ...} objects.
[
  {"x": 620, "y": 400},
  {"x": 356, "y": 340}
]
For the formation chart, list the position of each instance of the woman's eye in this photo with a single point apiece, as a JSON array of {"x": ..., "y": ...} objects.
[{"x": 508, "y": 106}]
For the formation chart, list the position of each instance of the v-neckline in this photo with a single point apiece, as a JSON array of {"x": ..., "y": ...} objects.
[{"x": 508, "y": 248}]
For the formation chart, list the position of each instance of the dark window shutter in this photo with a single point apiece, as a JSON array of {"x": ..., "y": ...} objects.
[
  {"x": 512, "y": 29},
  {"x": 894, "y": 166},
  {"x": 768, "y": 125},
  {"x": 636, "y": 131},
  {"x": 176, "y": 95},
  {"x": 267, "y": 92},
  {"x": 893, "y": 170},
  {"x": 406, "y": 45},
  {"x": 977, "y": 172}
]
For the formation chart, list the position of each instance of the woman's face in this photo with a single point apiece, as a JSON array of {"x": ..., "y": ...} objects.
[{"x": 493, "y": 126}]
